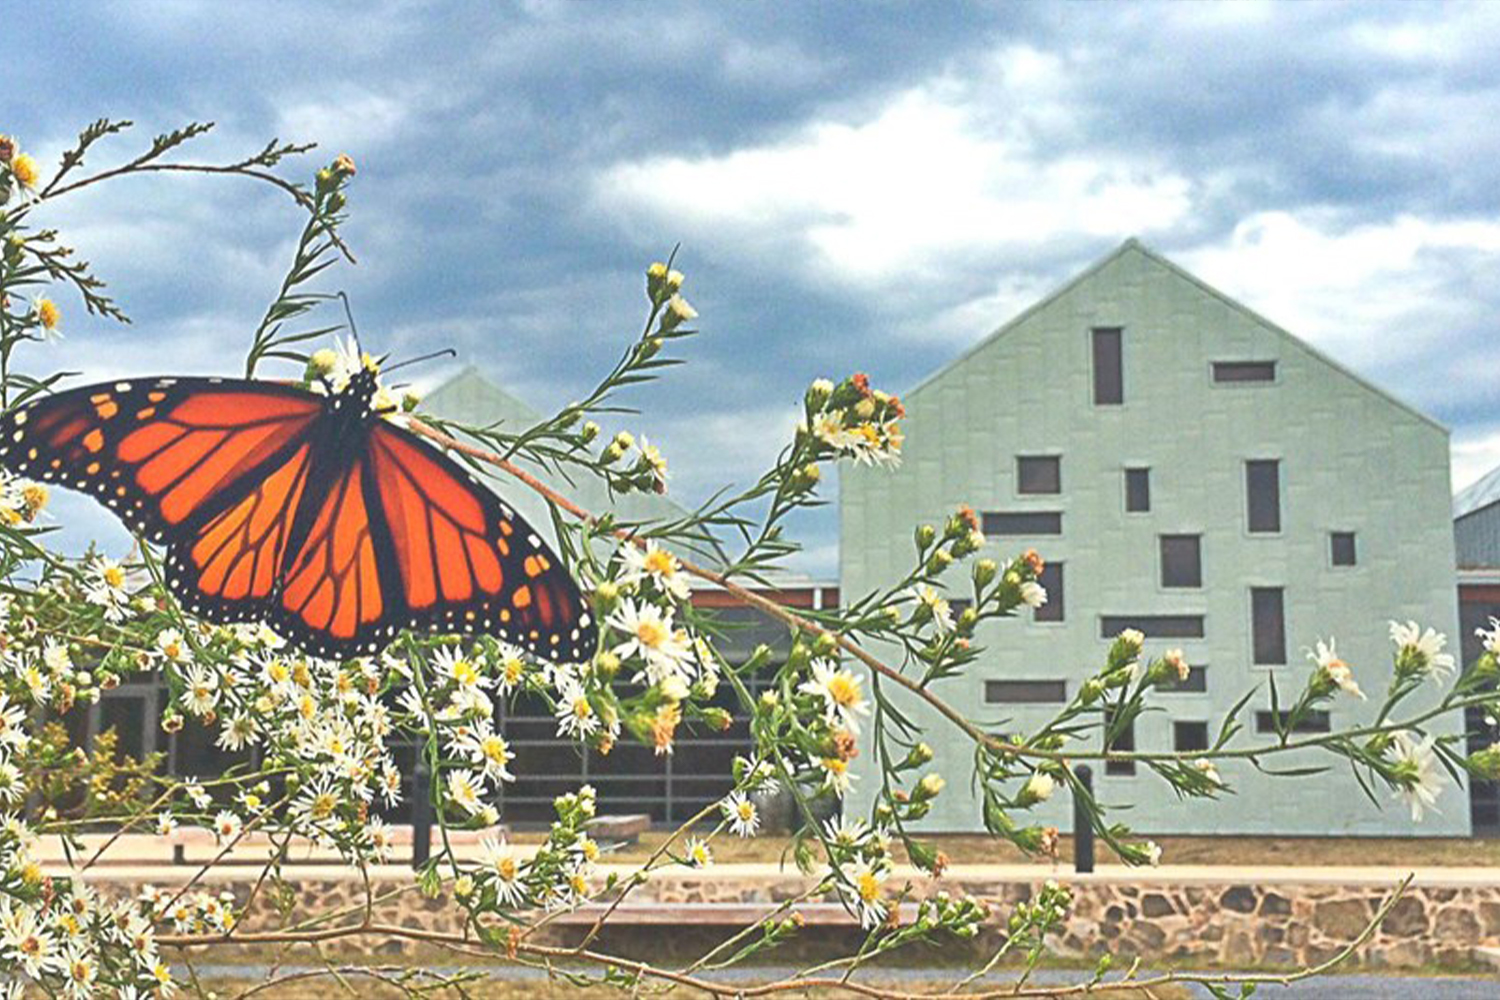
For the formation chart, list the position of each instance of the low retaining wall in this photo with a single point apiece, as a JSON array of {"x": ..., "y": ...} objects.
[{"x": 1292, "y": 918}]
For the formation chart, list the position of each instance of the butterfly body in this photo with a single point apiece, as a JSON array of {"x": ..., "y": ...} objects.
[{"x": 309, "y": 511}]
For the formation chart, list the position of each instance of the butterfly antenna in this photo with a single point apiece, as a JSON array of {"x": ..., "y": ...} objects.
[
  {"x": 447, "y": 352},
  {"x": 349, "y": 314}
]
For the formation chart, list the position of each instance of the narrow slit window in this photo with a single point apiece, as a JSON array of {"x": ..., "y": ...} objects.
[
  {"x": 1244, "y": 371},
  {"x": 1263, "y": 495},
  {"x": 1316, "y": 721},
  {"x": 1109, "y": 373},
  {"x": 1181, "y": 561},
  {"x": 1137, "y": 490},
  {"x": 1154, "y": 626},
  {"x": 1268, "y": 625},
  {"x": 1051, "y": 581},
  {"x": 1196, "y": 683},
  {"x": 1038, "y": 522},
  {"x": 1025, "y": 692},
  {"x": 1038, "y": 474},
  {"x": 1343, "y": 549}
]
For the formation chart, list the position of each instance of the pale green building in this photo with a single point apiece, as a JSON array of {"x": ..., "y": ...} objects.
[{"x": 1188, "y": 468}]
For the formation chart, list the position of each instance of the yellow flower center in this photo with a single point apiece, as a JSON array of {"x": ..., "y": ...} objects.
[
  {"x": 579, "y": 883},
  {"x": 746, "y": 810},
  {"x": 869, "y": 886},
  {"x": 835, "y": 766},
  {"x": 323, "y": 806},
  {"x": 114, "y": 576},
  {"x": 506, "y": 868},
  {"x": 514, "y": 668},
  {"x": 843, "y": 688},
  {"x": 581, "y": 708},
  {"x": 48, "y": 313},
  {"x": 661, "y": 562},
  {"x": 464, "y": 673},
  {"x": 651, "y": 633},
  {"x": 173, "y": 649},
  {"x": 278, "y": 672},
  {"x": 495, "y": 748}
]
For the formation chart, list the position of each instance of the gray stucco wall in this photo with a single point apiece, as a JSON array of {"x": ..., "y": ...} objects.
[{"x": 1352, "y": 459}]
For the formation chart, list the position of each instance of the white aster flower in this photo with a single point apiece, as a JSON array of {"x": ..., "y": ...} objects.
[
  {"x": 1033, "y": 594},
  {"x": 202, "y": 691},
  {"x": 487, "y": 749},
  {"x": 1415, "y": 772},
  {"x": 1325, "y": 655},
  {"x": 464, "y": 790},
  {"x": 575, "y": 714},
  {"x": 650, "y": 635},
  {"x": 740, "y": 811},
  {"x": 1419, "y": 652},
  {"x": 929, "y": 597},
  {"x": 504, "y": 865},
  {"x": 657, "y": 564},
  {"x": 868, "y": 891},
  {"x": 171, "y": 644},
  {"x": 454, "y": 664},
  {"x": 227, "y": 826},
  {"x": 843, "y": 701}
]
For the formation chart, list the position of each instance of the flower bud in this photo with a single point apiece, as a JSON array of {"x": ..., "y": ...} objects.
[
  {"x": 321, "y": 363},
  {"x": 588, "y": 432},
  {"x": 1485, "y": 764},
  {"x": 677, "y": 313},
  {"x": 606, "y": 665},
  {"x": 337, "y": 201},
  {"x": 1091, "y": 691},
  {"x": 985, "y": 571},
  {"x": 818, "y": 394},
  {"x": 648, "y": 348},
  {"x": 939, "y": 561},
  {"x": 967, "y": 619},
  {"x": 718, "y": 718},
  {"x": 929, "y": 787},
  {"x": 343, "y": 165},
  {"x": 606, "y": 594},
  {"x": 918, "y": 755},
  {"x": 624, "y": 441},
  {"x": 825, "y": 645},
  {"x": 410, "y": 400},
  {"x": 799, "y": 655},
  {"x": 656, "y": 281},
  {"x": 926, "y": 534},
  {"x": 674, "y": 280}
]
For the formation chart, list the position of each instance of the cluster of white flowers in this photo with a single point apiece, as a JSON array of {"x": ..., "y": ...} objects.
[
  {"x": 21, "y": 500},
  {"x": 60, "y": 934},
  {"x": 851, "y": 420}
]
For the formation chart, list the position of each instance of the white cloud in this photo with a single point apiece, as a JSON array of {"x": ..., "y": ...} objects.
[
  {"x": 1372, "y": 293},
  {"x": 924, "y": 184},
  {"x": 1475, "y": 452}
]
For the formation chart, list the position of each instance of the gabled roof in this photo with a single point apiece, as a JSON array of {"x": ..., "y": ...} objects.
[
  {"x": 1133, "y": 245},
  {"x": 473, "y": 398},
  {"x": 1479, "y": 495}
]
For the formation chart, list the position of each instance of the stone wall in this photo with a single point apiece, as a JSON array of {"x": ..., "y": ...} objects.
[{"x": 1209, "y": 920}]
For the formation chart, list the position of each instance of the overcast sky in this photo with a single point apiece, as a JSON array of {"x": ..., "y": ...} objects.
[{"x": 871, "y": 187}]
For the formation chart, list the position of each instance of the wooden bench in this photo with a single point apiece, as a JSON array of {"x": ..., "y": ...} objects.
[
  {"x": 255, "y": 847},
  {"x": 619, "y": 830}
]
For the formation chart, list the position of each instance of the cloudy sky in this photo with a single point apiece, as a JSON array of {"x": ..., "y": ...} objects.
[{"x": 870, "y": 187}]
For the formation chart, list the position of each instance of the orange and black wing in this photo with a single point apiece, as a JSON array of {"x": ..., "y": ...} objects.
[
  {"x": 464, "y": 561},
  {"x": 211, "y": 468}
]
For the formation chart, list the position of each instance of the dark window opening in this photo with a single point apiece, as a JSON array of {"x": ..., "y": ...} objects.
[
  {"x": 1244, "y": 371},
  {"x": 1196, "y": 683},
  {"x": 1124, "y": 740},
  {"x": 1051, "y": 581},
  {"x": 1268, "y": 624},
  {"x": 1109, "y": 373},
  {"x": 1025, "y": 692},
  {"x": 1263, "y": 494},
  {"x": 1042, "y": 522},
  {"x": 1181, "y": 561},
  {"x": 1137, "y": 490},
  {"x": 1311, "y": 722},
  {"x": 1038, "y": 474},
  {"x": 1188, "y": 737},
  {"x": 1154, "y": 626},
  {"x": 1343, "y": 548}
]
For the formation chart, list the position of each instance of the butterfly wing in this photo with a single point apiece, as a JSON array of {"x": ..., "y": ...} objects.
[
  {"x": 211, "y": 468},
  {"x": 465, "y": 561}
]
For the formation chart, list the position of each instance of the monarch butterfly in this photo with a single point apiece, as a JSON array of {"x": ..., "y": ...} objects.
[{"x": 307, "y": 511}]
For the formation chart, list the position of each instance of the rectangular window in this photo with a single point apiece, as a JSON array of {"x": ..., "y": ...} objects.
[
  {"x": 1038, "y": 474},
  {"x": 1124, "y": 740},
  {"x": 1342, "y": 548},
  {"x": 1188, "y": 737},
  {"x": 1268, "y": 625},
  {"x": 1039, "y": 522},
  {"x": 1244, "y": 371},
  {"x": 1052, "y": 581},
  {"x": 1109, "y": 372},
  {"x": 1025, "y": 692},
  {"x": 1181, "y": 561},
  {"x": 1311, "y": 722},
  {"x": 1263, "y": 494},
  {"x": 1137, "y": 490},
  {"x": 1154, "y": 626}
]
